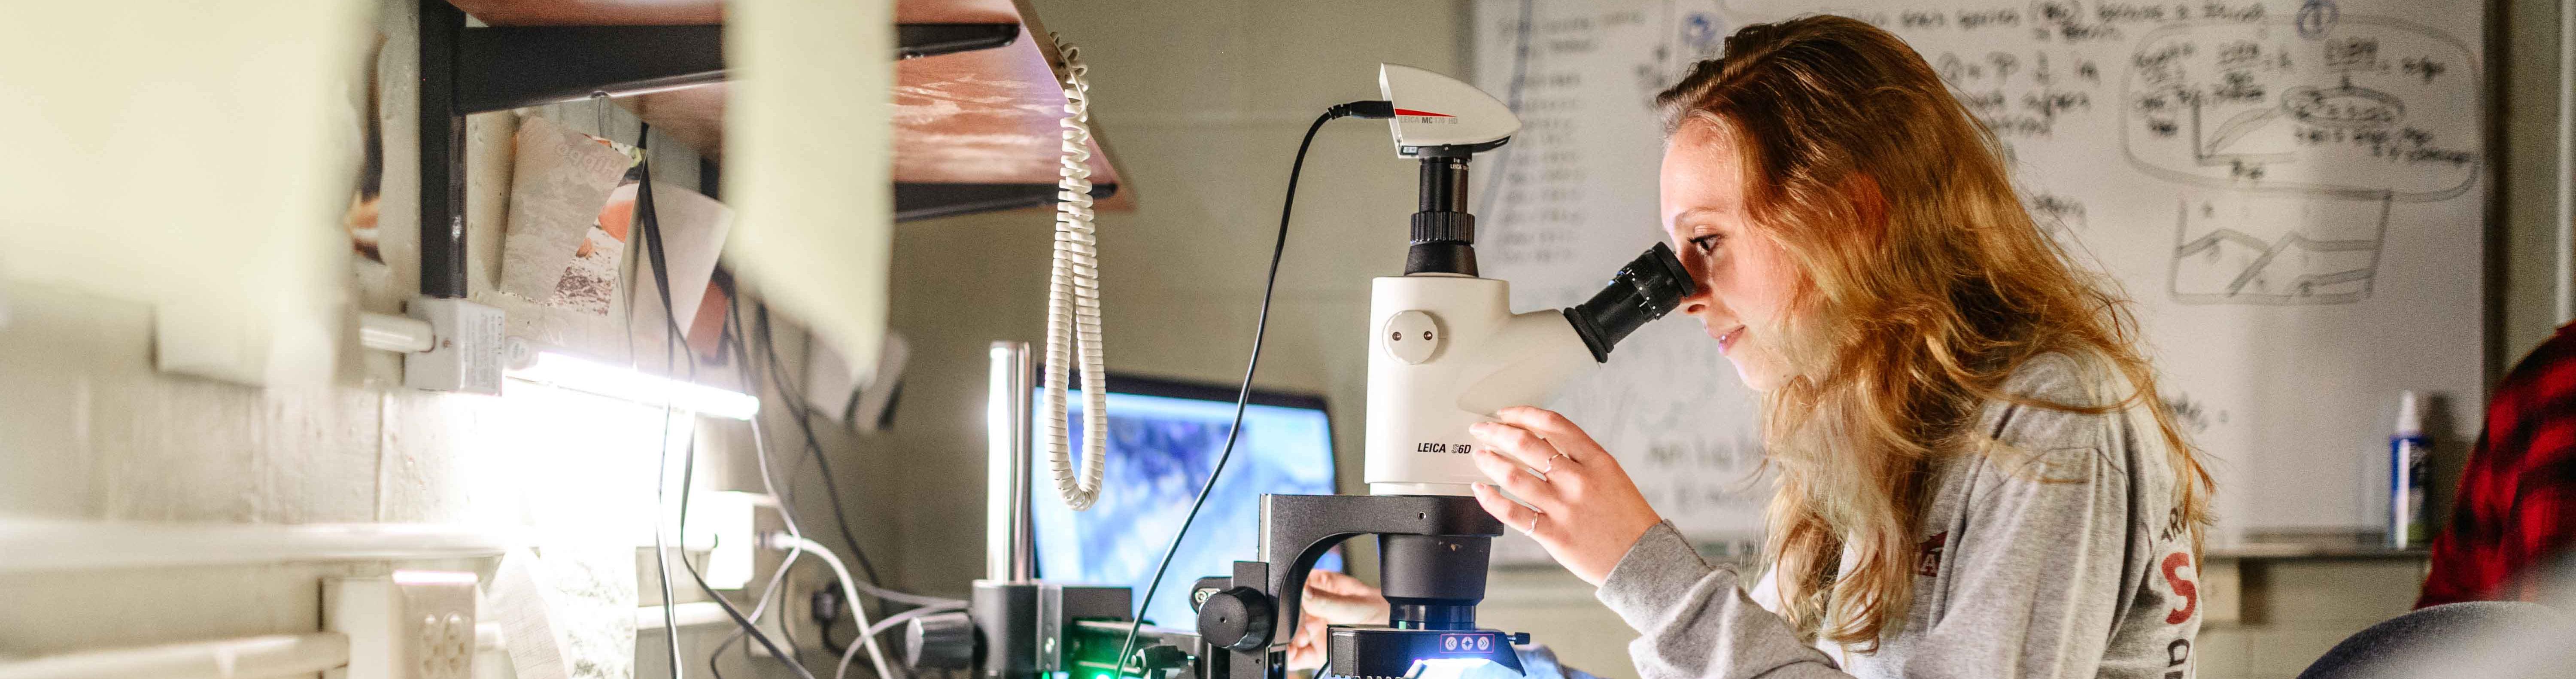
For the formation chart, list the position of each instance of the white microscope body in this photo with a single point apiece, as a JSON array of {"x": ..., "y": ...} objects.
[
  {"x": 1448, "y": 352},
  {"x": 1445, "y": 350}
]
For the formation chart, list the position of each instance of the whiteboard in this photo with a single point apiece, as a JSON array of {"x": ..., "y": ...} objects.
[{"x": 2290, "y": 190}]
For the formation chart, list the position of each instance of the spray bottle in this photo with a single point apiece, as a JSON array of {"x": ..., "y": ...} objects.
[{"x": 2406, "y": 448}]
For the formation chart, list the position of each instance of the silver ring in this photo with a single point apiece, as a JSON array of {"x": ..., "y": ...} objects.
[{"x": 1551, "y": 464}]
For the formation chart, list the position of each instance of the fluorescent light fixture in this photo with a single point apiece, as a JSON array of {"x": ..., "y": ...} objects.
[{"x": 566, "y": 372}]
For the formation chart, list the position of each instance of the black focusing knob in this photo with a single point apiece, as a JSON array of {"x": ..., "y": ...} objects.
[
  {"x": 1444, "y": 227},
  {"x": 1238, "y": 618},
  {"x": 942, "y": 641}
]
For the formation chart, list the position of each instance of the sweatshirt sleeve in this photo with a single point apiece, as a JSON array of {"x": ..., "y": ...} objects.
[
  {"x": 2033, "y": 583},
  {"x": 1695, "y": 621},
  {"x": 2030, "y": 587}
]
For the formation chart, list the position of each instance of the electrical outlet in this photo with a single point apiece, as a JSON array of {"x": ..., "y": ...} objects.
[
  {"x": 468, "y": 351},
  {"x": 412, "y": 625}
]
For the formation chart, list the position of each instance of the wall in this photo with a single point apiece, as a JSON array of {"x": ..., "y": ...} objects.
[{"x": 2527, "y": 46}]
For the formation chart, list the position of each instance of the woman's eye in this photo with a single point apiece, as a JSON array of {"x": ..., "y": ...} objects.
[{"x": 1706, "y": 244}]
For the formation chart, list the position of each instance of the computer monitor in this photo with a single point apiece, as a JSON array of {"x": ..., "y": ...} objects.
[{"x": 1164, "y": 439}]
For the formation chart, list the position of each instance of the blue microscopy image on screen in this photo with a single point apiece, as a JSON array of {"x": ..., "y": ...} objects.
[{"x": 1160, "y": 450}]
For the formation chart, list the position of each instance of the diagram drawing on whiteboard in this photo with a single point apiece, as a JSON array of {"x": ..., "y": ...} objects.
[
  {"x": 2253, "y": 249},
  {"x": 2301, "y": 135}
]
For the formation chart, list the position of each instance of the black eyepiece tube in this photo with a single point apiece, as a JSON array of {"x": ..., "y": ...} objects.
[
  {"x": 1644, "y": 290},
  {"x": 1444, "y": 235}
]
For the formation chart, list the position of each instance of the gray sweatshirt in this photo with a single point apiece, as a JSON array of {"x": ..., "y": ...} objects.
[{"x": 2052, "y": 551}]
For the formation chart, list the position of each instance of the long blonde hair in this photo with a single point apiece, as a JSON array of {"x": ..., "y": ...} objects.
[{"x": 1926, "y": 285}]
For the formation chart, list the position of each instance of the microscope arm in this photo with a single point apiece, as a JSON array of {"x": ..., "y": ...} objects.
[
  {"x": 1257, "y": 614},
  {"x": 1307, "y": 525}
]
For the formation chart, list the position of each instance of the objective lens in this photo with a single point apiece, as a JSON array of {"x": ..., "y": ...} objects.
[
  {"x": 1433, "y": 581},
  {"x": 1644, "y": 290}
]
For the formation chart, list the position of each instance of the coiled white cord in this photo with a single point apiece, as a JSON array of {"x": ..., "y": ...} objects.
[{"x": 1073, "y": 301}]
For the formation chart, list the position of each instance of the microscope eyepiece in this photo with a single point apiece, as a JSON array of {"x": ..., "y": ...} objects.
[{"x": 1644, "y": 290}]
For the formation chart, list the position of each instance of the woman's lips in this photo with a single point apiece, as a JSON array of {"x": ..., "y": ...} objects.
[{"x": 1726, "y": 340}]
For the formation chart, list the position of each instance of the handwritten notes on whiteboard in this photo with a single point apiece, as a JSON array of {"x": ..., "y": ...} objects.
[{"x": 2290, "y": 190}]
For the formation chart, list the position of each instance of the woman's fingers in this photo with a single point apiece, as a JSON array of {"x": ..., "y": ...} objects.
[
  {"x": 1331, "y": 582},
  {"x": 1511, "y": 513},
  {"x": 1556, "y": 430},
  {"x": 1514, "y": 442},
  {"x": 1306, "y": 650},
  {"x": 1334, "y": 598},
  {"x": 1511, "y": 477},
  {"x": 1331, "y": 599},
  {"x": 1587, "y": 512}
]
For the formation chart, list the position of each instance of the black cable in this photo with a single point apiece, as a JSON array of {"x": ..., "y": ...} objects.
[
  {"x": 803, "y": 415},
  {"x": 1243, "y": 395},
  {"x": 688, "y": 472},
  {"x": 643, "y": 216},
  {"x": 788, "y": 392},
  {"x": 731, "y": 333},
  {"x": 777, "y": 577},
  {"x": 649, "y": 224}
]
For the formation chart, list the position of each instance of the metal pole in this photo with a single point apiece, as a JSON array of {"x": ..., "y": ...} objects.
[{"x": 1008, "y": 541}]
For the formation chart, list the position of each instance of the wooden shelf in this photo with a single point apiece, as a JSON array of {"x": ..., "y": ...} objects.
[
  {"x": 594, "y": 12},
  {"x": 981, "y": 124}
]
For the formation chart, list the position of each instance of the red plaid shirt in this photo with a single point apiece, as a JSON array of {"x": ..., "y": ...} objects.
[{"x": 2517, "y": 499}]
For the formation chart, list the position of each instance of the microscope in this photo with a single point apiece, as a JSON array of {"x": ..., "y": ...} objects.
[{"x": 1445, "y": 352}]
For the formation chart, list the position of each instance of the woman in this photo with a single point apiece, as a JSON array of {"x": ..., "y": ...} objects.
[{"x": 1976, "y": 476}]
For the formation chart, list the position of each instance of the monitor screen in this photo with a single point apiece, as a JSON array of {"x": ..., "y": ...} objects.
[{"x": 1164, "y": 438}]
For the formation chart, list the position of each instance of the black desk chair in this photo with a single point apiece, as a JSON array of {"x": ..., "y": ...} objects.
[{"x": 2466, "y": 639}]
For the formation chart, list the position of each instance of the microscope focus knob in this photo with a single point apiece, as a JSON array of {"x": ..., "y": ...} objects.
[
  {"x": 1238, "y": 618},
  {"x": 942, "y": 641}
]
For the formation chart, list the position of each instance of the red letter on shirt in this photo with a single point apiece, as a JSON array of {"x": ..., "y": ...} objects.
[{"x": 2182, "y": 587}]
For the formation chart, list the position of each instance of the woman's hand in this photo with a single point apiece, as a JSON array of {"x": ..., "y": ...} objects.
[
  {"x": 1331, "y": 599},
  {"x": 1582, "y": 507}
]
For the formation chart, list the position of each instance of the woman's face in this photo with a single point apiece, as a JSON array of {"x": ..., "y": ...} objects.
[{"x": 1745, "y": 280}]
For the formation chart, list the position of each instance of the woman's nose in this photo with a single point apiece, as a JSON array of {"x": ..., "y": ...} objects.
[{"x": 1702, "y": 294}]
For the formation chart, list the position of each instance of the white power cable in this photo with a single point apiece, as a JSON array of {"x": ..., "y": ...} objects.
[
  {"x": 1073, "y": 301},
  {"x": 868, "y": 641}
]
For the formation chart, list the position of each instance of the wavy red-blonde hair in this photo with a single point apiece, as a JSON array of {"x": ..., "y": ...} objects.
[{"x": 1926, "y": 284}]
